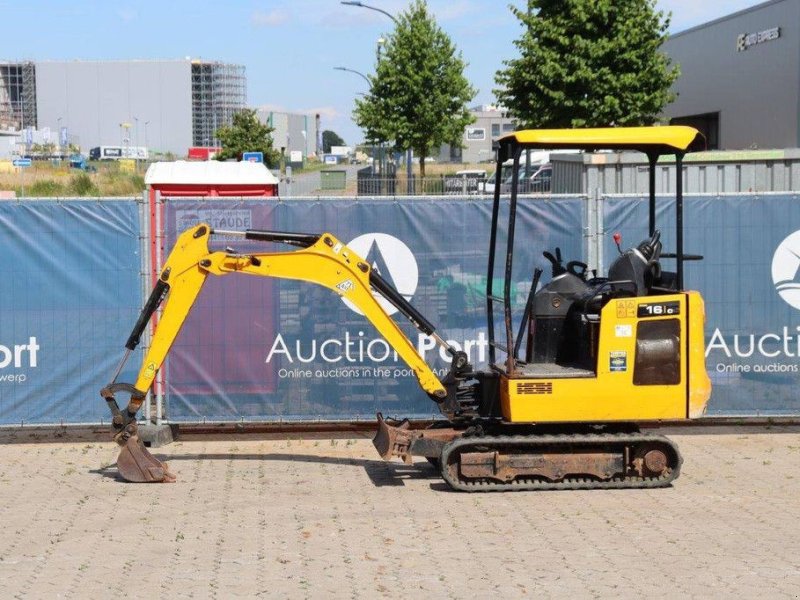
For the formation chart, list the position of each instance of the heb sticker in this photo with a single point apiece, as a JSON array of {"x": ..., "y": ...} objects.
[{"x": 618, "y": 361}]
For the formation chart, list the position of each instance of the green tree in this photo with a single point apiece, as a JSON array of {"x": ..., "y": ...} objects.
[
  {"x": 247, "y": 134},
  {"x": 419, "y": 95},
  {"x": 330, "y": 138},
  {"x": 588, "y": 63}
]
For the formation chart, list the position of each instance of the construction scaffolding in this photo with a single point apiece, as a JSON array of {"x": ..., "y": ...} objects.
[
  {"x": 219, "y": 90},
  {"x": 18, "y": 95}
]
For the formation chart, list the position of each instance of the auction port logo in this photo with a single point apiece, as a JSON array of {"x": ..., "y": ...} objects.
[
  {"x": 785, "y": 266},
  {"x": 391, "y": 259}
]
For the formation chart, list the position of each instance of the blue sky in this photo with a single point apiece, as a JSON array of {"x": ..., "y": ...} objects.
[{"x": 289, "y": 47}]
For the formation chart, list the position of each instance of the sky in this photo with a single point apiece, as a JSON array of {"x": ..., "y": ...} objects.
[{"x": 289, "y": 47}]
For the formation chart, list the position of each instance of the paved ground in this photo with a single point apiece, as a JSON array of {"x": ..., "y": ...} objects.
[{"x": 325, "y": 519}]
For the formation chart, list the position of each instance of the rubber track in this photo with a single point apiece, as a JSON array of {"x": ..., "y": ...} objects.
[{"x": 568, "y": 483}]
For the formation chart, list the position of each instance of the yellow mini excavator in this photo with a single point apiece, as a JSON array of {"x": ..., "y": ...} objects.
[{"x": 560, "y": 404}]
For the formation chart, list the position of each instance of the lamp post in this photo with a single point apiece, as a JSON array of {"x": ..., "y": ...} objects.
[
  {"x": 365, "y": 78},
  {"x": 60, "y": 147},
  {"x": 359, "y": 73},
  {"x": 146, "y": 147},
  {"x": 360, "y": 4},
  {"x": 136, "y": 142}
]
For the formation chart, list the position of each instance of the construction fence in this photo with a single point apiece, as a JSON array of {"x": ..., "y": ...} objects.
[{"x": 253, "y": 349}]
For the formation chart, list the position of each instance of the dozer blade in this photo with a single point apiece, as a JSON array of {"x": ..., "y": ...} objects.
[{"x": 137, "y": 465}]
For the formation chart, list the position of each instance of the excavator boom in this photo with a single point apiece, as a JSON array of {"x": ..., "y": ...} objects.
[{"x": 321, "y": 259}]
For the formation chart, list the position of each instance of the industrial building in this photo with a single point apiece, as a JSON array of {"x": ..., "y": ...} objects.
[
  {"x": 740, "y": 77},
  {"x": 165, "y": 105},
  {"x": 295, "y": 132},
  {"x": 491, "y": 122}
]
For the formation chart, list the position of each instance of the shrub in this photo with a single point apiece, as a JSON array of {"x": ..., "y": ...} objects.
[
  {"x": 44, "y": 187},
  {"x": 82, "y": 185}
]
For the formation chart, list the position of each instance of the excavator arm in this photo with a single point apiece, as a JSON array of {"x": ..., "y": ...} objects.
[{"x": 321, "y": 259}]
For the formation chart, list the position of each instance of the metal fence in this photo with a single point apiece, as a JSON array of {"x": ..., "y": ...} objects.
[{"x": 77, "y": 272}]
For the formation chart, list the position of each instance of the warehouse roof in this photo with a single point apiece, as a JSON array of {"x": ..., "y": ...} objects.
[{"x": 210, "y": 172}]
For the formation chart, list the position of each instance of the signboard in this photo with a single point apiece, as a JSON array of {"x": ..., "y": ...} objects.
[
  {"x": 22, "y": 162},
  {"x": 296, "y": 156},
  {"x": 256, "y": 157},
  {"x": 203, "y": 152},
  {"x": 62, "y": 331},
  {"x": 744, "y": 41},
  {"x": 476, "y": 133}
]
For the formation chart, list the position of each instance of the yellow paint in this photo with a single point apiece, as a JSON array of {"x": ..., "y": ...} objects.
[
  {"x": 611, "y": 395},
  {"x": 678, "y": 137},
  {"x": 328, "y": 263}
]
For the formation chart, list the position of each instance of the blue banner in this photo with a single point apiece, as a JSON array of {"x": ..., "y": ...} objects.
[
  {"x": 70, "y": 291},
  {"x": 749, "y": 279},
  {"x": 260, "y": 349}
]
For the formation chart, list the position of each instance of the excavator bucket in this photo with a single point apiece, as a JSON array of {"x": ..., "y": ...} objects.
[
  {"x": 137, "y": 465},
  {"x": 393, "y": 439}
]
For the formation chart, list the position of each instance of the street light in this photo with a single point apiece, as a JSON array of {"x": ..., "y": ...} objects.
[
  {"x": 146, "y": 151},
  {"x": 362, "y": 5},
  {"x": 136, "y": 141},
  {"x": 359, "y": 73},
  {"x": 396, "y": 22}
]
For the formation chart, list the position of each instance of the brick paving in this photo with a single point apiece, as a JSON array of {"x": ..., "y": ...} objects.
[{"x": 325, "y": 518}]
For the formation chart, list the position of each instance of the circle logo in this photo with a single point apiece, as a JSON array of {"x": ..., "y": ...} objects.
[
  {"x": 785, "y": 267},
  {"x": 392, "y": 260}
]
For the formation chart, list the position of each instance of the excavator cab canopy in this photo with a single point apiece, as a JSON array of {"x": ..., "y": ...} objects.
[{"x": 654, "y": 142}]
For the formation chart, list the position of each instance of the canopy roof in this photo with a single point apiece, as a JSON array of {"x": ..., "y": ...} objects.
[
  {"x": 650, "y": 140},
  {"x": 209, "y": 172}
]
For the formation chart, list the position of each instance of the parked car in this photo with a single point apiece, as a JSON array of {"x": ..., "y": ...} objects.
[
  {"x": 534, "y": 180},
  {"x": 466, "y": 181}
]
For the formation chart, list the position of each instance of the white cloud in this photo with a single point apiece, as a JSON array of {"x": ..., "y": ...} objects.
[{"x": 272, "y": 18}]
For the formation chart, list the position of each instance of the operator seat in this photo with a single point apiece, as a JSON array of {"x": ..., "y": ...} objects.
[{"x": 640, "y": 266}]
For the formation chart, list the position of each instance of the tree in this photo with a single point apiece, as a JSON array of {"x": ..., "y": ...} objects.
[
  {"x": 247, "y": 134},
  {"x": 330, "y": 138},
  {"x": 588, "y": 63},
  {"x": 419, "y": 95}
]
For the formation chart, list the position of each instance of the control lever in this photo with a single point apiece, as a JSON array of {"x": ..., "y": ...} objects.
[{"x": 555, "y": 261}]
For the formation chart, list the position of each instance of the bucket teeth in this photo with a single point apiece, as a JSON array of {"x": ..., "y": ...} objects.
[{"x": 136, "y": 465}]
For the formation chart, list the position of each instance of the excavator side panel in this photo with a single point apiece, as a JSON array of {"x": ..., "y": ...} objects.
[{"x": 645, "y": 349}]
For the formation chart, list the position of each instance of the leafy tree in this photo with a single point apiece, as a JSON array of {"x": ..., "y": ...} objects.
[
  {"x": 588, "y": 63},
  {"x": 419, "y": 94},
  {"x": 330, "y": 138},
  {"x": 247, "y": 134}
]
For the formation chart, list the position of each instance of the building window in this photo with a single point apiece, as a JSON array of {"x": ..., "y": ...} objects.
[
  {"x": 509, "y": 127},
  {"x": 707, "y": 124},
  {"x": 476, "y": 134},
  {"x": 495, "y": 130}
]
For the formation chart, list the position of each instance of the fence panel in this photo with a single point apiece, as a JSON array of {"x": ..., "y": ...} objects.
[
  {"x": 70, "y": 290},
  {"x": 751, "y": 249},
  {"x": 259, "y": 349}
]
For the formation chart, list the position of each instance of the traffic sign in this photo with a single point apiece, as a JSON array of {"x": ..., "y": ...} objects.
[
  {"x": 257, "y": 157},
  {"x": 21, "y": 162}
]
